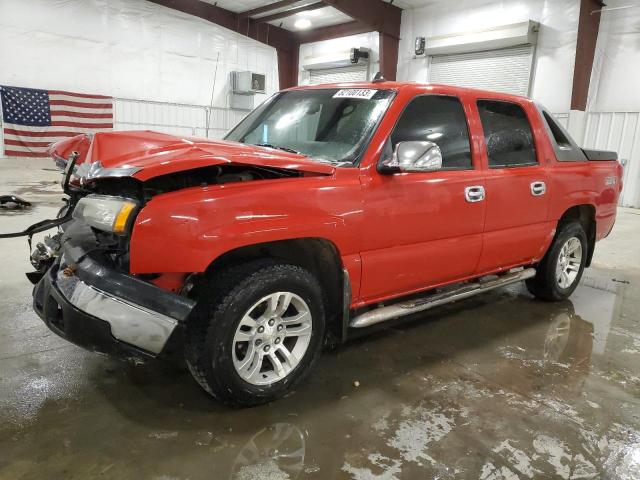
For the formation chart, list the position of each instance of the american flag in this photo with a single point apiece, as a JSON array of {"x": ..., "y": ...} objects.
[{"x": 35, "y": 118}]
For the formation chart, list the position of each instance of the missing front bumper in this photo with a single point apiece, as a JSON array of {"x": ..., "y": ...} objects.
[
  {"x": 83, "y": 299},
  {"x": 76, "y": 326}
]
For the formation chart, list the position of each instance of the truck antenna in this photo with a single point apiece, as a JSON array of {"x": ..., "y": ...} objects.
[{"x": 378, "y": 78}]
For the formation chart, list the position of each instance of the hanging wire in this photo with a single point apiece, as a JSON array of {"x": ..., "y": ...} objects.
[
  {"x": 213, "y": 89},
  {"x": 610, "y": 9}
]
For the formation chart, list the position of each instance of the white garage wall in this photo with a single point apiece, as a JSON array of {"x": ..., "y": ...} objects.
[
  {"x": 616, "y": 71},
  {"x": 613, "y": 118},
  {"x": 129, "y": 49},
  {"x": 344, "y": 44},
  {"x": 555, "y": 53},
  {"x": 620, "y": 132},
  {"x": 174, "y": 118}
]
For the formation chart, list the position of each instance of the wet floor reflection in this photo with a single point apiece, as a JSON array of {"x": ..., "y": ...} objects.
[
  {"x": 500, "y": 386},
  {"x": 276, "y": 451}
]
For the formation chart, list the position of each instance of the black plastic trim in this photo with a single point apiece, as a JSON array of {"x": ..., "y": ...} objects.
[
  {"x": 92, "y": 266},
  {"x": 600, "y": 155},
  {"x": 565, "y": 152},
  {"x": 76, "y": 326}
]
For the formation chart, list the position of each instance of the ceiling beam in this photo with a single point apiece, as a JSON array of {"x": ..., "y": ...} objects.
[
  {"x": 267, "y": 8},
  {"x": 368, "y": 15},
  {"x": 224, "y": 18},
  {"x": 381, "y": 17},
  {"x": 270, "y": 35},
  {"x": 332, "y": 31},
  {"x": 293, "y": 11},
  {"x": 378, "y": 15},
  {"x": 285, "y": 42}
]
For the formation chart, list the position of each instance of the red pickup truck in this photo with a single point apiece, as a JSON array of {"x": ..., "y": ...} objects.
[{"x": 327, "y": 209}]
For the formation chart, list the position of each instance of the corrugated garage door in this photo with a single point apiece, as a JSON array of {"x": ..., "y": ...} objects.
[
  {"x": 505, "y": 70},
  {"x": 355, "y": 73}
]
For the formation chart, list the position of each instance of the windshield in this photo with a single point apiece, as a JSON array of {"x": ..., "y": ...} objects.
[{"x": 331, "y": 125}]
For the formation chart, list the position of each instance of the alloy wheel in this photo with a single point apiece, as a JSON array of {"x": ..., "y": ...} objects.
[
  {"x": 272, "y": 338},
  {"x": 569, "y": 262}
]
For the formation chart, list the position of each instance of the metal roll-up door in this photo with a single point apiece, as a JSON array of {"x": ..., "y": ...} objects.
[
  {"x": 354, "y": 73},
  {"x": 505, "y": 70}
]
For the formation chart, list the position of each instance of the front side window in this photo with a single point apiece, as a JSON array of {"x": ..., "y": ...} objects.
[
  {"x": 439, "y": 119},
  {"x": 330, "y": 125},
  {"x": 507, "y": 134}
]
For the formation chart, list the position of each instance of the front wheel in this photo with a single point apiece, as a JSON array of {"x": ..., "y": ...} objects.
[
  {"x": 560, "y": 271},
  {"x": 257, "y": 332}
]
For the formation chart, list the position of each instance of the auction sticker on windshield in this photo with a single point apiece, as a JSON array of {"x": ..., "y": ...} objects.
[{"x": 355, "y": 93}]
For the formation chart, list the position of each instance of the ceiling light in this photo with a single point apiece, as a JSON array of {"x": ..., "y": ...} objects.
[{"x": 302, "y": 23}]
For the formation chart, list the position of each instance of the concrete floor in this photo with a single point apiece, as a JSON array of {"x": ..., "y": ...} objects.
[{"x": 500, "y": 386}]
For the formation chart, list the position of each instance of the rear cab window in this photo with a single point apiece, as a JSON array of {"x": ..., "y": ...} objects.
[
  {"x": 507, "y": 133},
  {"x": 564, "y": 146}
]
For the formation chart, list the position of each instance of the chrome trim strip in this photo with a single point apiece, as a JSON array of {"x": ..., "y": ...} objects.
[
  {"x": 90, "y": 171},
  {"x": 346, "y": 302},
  {"x": 129, "y": 323},
  {"x": 434, "y": 300}
]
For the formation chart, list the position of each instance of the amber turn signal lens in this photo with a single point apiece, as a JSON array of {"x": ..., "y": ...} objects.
[{"x": 120, "y": 223}]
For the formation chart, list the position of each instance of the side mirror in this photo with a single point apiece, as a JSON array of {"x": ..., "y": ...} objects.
[{"x": 413, "y": 156}]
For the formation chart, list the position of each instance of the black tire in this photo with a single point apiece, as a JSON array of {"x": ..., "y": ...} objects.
[
  {"x": 545, "y": 284},
  {"x": 213, "y": 324}
]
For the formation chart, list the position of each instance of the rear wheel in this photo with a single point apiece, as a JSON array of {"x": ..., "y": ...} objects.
[
  {"x": 560, "y": 271},
  {"x": 256, "y": 333}
]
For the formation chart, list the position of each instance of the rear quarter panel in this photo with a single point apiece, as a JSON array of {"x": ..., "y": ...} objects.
[
  {"x": 590, "y": 183},
  {"x": 578, "y": 182}
]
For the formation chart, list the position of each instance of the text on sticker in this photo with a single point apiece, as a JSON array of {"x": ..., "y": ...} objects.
[{"x": 355, "y": 93}]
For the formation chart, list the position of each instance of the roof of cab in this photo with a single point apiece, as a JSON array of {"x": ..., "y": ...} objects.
[{"x": 418, "y": 87}]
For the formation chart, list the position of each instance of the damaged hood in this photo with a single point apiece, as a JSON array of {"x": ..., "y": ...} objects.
[{"x": 145, "y": 155}]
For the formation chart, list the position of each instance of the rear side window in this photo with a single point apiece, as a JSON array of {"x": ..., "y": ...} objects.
[
  {"x": 507, "y": 134},
  {"x": 439, "y": 119},
  {"x": 565, "y": 148}
]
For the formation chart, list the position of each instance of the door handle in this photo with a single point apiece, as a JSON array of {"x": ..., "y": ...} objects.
[
  {"x": 474, "y": 193},
  {"x": 538, "y": 188}
]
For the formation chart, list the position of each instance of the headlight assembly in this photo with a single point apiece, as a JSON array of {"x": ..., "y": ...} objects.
[{"x": 111, "y": 214}]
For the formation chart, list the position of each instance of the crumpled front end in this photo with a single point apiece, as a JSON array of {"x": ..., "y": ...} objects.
[
  {"x": 86, "y": 290},
  {"x": 85, "y": 298}
]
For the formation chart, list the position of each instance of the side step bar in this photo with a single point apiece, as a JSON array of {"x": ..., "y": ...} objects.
[{"x": 436, "y": 299}]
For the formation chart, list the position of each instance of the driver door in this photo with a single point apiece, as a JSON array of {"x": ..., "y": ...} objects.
[{"x": 424, "y": 229}]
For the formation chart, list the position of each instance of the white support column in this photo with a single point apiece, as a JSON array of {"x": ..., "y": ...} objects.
[{"x": 577, "y": 125}]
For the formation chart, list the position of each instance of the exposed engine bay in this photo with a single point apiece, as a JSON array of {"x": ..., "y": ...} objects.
[
  {"x": 113, "y": 246},
  {"x": 199, "y": 177}
]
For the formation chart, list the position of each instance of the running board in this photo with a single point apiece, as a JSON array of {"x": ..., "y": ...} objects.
[{"x": 436, "y": 299}]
